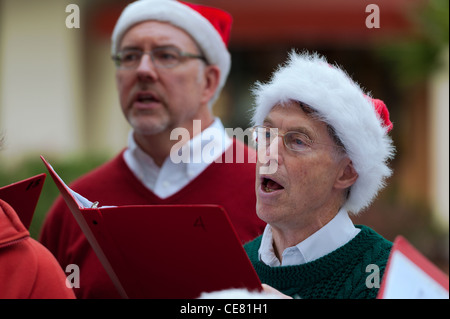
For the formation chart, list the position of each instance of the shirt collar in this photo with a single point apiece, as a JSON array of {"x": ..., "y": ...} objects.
[
  {"x": 336, "y": 233},
  {"x": 208, "y": 146},
  {"x": 214, "y": 136}
]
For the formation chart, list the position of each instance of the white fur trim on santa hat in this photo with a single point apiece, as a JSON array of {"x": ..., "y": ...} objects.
[
  {"x": 181, "y": 16},
  {"x": 342, "y": 104}
]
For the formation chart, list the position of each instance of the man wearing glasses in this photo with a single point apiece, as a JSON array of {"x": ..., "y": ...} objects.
[
  {"x": 323, "y": 150},
  {"x": 171, "y": 63}
]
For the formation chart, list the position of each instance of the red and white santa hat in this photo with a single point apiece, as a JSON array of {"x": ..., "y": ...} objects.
[
  {"x": 360, "y": 122},
  {"x": 210, "y": 27}
]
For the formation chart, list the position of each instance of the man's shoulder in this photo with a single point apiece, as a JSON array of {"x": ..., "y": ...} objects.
[
  {"x": 108, "y": 172},
  {"x": 374, "y": 248},
  {"x": 375, "y": 238}
]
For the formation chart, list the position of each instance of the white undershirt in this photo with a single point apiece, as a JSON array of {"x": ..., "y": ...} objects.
[
  {"x": 336, "y": 233},
  {"x": 171, "y": 177}
]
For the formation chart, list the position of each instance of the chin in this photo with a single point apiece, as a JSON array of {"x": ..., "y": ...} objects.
[
  {"x": 268, "y": 214},
  {"x": 147, "y": 126}
]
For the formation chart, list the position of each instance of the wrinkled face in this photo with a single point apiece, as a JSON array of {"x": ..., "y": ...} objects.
[
  {"x": 154, "y": 99},
  {"x": 303, "y": 184}
]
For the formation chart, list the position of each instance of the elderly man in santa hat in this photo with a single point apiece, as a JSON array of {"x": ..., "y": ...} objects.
[
  {"x": 171, "y": 62},
  {"x": 323, "y": 149}
]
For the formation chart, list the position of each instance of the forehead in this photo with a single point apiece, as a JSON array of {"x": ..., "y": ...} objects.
[
  {"x": 156, "y": 33},
  {"x": 290, "y": 116}
]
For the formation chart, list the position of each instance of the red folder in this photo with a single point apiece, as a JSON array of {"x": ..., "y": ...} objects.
[
  {"x": 410, "y": 275},
  {"x": 23, "y": 196},
  {"x": 170, "y": 251}
]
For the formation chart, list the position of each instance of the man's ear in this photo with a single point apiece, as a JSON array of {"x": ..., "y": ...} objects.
[
  {"x": 212, "y": 78},
  {"x": 347, "y": 175}
]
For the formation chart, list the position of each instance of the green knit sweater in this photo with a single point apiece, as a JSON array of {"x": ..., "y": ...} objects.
[{"x": 339, "y": 274}]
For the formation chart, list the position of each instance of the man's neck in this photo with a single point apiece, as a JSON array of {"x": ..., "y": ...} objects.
[
  {"x": 284, "y": 237},
  {"x": 158, "y": 146}
]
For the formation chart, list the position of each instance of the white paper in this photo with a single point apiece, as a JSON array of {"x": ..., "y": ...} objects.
[
  {"x": 406, "y": 280},
  {"x": 81, "y": 201}
]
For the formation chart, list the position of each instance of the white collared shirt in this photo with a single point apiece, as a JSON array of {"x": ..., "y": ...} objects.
[
  {"x": 171, "y": 177},
  {"x": 336, "y": 233}
]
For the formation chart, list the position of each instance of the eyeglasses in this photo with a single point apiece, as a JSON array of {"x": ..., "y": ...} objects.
[
  {"x": 163, "y": 57},
  {"x": 294, "y": 141}
]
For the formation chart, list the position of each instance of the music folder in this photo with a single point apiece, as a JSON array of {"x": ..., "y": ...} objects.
[
  {"x": 23, "y": 196},
  {"x": 410, "y": 275},
  {"x": 163, "y": 251}
]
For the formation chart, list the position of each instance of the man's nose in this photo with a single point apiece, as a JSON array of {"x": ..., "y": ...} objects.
[
  {"x": 270, "y": 156},
  {"x": 146, "y": 70},
  {"x": 276, "y": 149}
]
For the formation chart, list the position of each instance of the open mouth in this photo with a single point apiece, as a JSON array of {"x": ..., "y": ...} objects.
[
  {"x": 146, "y": 98},
  {"x": 269, "y": 185}
]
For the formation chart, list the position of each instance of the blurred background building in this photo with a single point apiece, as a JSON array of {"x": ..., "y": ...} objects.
[{"x": 58, "y": 96}]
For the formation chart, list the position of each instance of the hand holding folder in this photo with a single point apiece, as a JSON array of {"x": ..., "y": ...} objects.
[{"x": 170, "y": 251}]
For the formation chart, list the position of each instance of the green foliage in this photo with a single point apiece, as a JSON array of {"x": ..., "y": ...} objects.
[
  {"x": 414, "y": 58},
  {"x": 68, "y": 169}
]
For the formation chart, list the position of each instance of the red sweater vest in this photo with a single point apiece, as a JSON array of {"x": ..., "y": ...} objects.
[{"x": 230, "y": 184}]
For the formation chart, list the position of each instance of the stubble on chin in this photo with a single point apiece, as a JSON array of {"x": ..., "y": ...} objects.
[{"x": 147, "y": 123}]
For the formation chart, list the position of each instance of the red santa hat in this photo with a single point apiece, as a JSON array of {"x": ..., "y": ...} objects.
[
  {"x": 209, "y": 27},
  {"x": 360, "y": 122}
]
